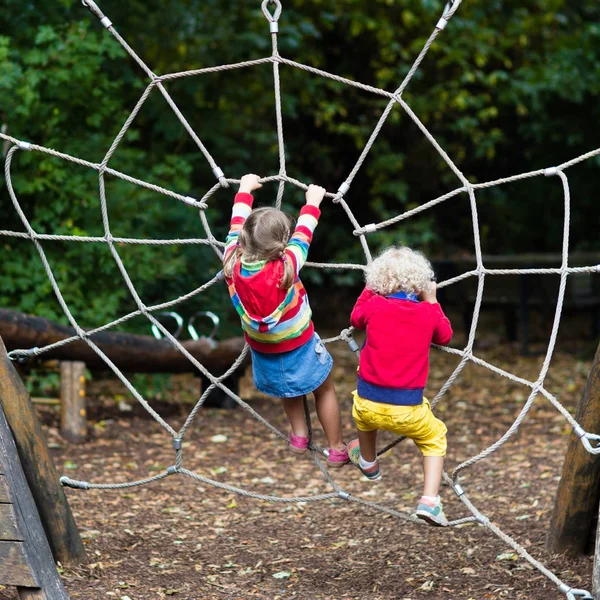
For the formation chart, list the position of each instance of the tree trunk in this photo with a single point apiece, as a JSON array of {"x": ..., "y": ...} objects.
[
  {"x": 578, "y": 493},
  {"x": 129, "y": 352}
]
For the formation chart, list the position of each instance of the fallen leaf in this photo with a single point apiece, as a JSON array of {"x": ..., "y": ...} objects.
[
  {"x": 282, "y": 575},
  {"x": 508, "y": 556},
  {"x": 267, "y": 480}
]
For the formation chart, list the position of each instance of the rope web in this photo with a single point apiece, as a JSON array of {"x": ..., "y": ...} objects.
[{"x": 272, "y": 10}]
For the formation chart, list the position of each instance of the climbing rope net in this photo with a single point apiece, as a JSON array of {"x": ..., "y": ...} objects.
[{"x": 272, "y": 10}]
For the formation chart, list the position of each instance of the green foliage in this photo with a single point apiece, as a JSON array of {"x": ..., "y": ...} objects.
[
  {"x": 43, "y": 383},
  {"x": 507, "y": 87}
]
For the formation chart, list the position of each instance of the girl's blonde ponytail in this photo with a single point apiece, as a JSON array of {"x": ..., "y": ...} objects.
[
  {"x": 289, "y": 275},
  {"x": 230, "y": 260}
]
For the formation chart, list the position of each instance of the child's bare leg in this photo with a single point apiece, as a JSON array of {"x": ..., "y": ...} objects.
[
  {"x": 294, "y": 410},
  {"x": 433, "y": 467},
  {"x": 430, "y": 507},
  {"x": 328, "y": 411},
  {"x": 368, "y": 445}
]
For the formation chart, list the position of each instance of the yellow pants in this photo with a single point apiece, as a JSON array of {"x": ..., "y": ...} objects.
[{"x": 415, "y": 422}]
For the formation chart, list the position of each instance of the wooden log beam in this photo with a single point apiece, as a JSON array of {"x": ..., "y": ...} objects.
[
  {"x": 577, "y": 499},
  {"x": 130, "y": 352},
  {"x": 42, "y": 478}
]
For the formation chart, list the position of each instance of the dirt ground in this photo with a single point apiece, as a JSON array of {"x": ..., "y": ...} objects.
[{"x": 182, "y": 539}]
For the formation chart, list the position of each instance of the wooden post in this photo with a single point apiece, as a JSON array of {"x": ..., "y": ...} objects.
[
  {"x": 578, "y": 493},
  {"x": 596, "y": 572},
  {"x": 25, "y": 555},
  {"x": 73, "y": 416},
  {"x": 39, "y": 469}
]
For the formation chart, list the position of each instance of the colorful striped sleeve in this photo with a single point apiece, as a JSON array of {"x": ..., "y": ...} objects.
[
  {"x": 297, "y": 248},
  {"x": 242, "y": 207}
]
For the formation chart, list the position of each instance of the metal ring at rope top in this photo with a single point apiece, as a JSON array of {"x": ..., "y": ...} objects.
[{"x": 274, "y": 17}]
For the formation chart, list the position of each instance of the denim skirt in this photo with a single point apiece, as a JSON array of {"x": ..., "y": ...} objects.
[{"x": 293, "y": 373}]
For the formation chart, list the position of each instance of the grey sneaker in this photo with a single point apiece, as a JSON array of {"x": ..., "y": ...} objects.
[
  {"x": 433, "y": 515},
  {"x": 373, "y": 473}
]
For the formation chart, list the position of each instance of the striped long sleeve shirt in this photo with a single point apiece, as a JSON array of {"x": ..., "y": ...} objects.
[{"x": 273, "y": 319}]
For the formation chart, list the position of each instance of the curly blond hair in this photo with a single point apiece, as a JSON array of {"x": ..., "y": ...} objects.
[{"x": 399, "y": 270}]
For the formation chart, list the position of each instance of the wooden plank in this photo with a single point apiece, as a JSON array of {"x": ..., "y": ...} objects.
[
  {"x": 36, "y": 550},
  {"x": 73, "y": 415},
  {"x": 32, "y": 594},
  {"x": 14, "y": 566},
  {"x": 9, "y": 528},
  {"x": 41, "y": 476},
  {"x": 5, "y": 495},
  {"x": 578, "y": 492},
  {"x": 46, "y": 401}
]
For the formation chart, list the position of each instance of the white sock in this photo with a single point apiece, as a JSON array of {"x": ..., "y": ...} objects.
[
  {"x": 365, "y": 464},
  {"x": 432, "y": 499}
]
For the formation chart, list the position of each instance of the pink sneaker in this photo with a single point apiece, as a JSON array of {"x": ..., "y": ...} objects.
[
  {"x": 337, "y": 458},
  {"x": 298, "y": 443}
]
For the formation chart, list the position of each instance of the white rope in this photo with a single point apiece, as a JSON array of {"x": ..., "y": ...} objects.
[{"x": 480, "y": 271}]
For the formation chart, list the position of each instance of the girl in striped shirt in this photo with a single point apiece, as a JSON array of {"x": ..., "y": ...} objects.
[{"x": 261, "y": 265}]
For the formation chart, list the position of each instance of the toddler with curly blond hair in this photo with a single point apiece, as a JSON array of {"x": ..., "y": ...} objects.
[{"x": 399, "y": 311}]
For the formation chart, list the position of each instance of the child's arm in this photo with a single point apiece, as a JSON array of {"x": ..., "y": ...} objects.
[
  {"x": 442, "y": 333},
  {"x": 297, "y": 248},
  {"x": 361, "y": 311},
  {"x": 242, "y": 206}
]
